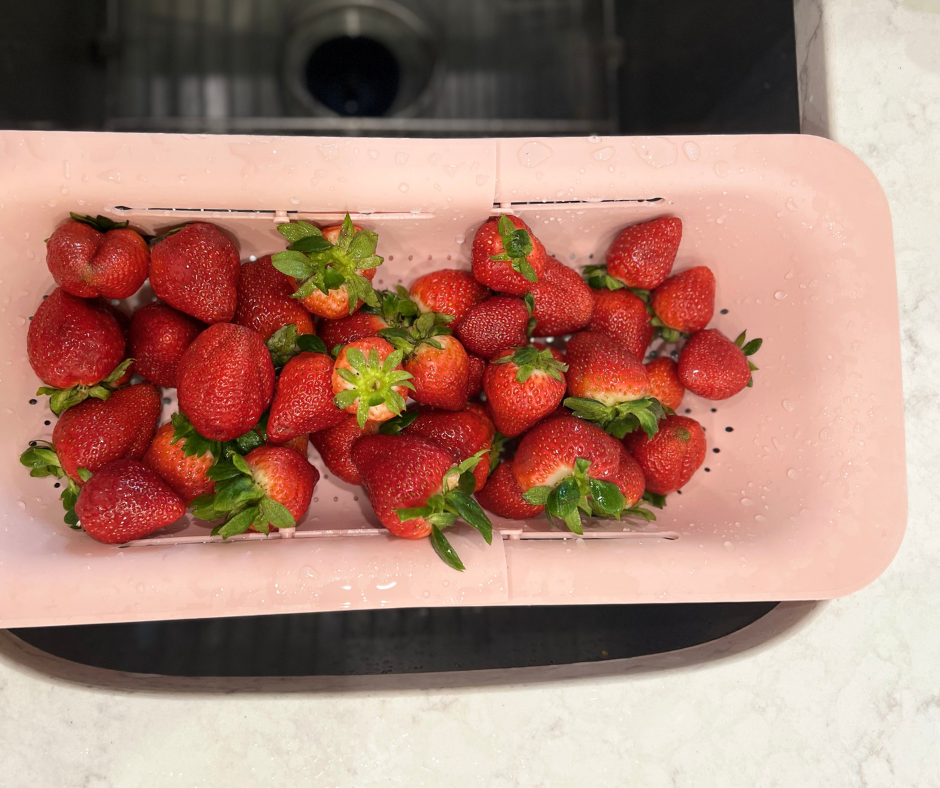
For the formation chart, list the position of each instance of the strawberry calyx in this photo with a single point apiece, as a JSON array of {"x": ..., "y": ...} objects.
[
  {"x": 196, "y": 445},
  {"x": 619, "y": 419},
  {"x": 61, "y": 400},
  {"x": 320, "y": 265},
  {"x": 666, "y": 333},
  {"x": 529, "y": 359},
  {"x": 578, "y": 493},
  {"x": 240, "y": 500},
  {"x": 42, "y": 461},
  {"x": 654, "y": 499},
  {"x": 598, "y": 278},
  {"x": 517, "y": 245},
  {"x": 285, "y": 343},
  {"x": 529, "y": 301},
  {"x": 395, "y": 307},
  {"x": 498, "y": 448},
  {"x": 749, "y": 349},
  {"x": 101, "y": 223},
  {"x": 453, "y": 503},
  {"x": 373, "y": 382},
  {"x": 399, "y": 423},
  {"x": 422, "y": 332}
]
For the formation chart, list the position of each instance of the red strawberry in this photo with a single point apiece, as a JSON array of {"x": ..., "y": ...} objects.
[
  {"x": 476, "y": 368},
  {"x": 351, "y": 328},
  {"x": 498, "y": 323},
  {"x": 503, "y": 497},
  {"x": 629, "y": 479},
  {"x": 75, "y": 346},
  {"x": 265, "y": 303},
  {"x": 298, "y": 444},
  {"x": 158, "y": 337},
  {"x": 555, "y": 352},
  {"x": 664, "y": 382},
  {"x": 685, "y": 302},
  {"x": 196, "y": 270},
  {"x": 126, "y": 500},
  {"x": 714, "y": 367},
  {"x": 335, "y": 447},
  {"x": 332, "y": 268},
  {"x": 225, "y": 381},
  {"x": 270, "y": 487},
  {"x": 368, "y": 380},
  {"x": 417, "y": 491},
  {"x": 303, "y": 398},
  {"x": 185, "y": 474},
  {"x": 506, "y": 256},
  {"x": 607, "y": 384},
  {"x": 96, "y": 257},
  {"x": 567, "y": 464},
  {"x": 522, "y": 386},
  {"x": 642, "y": 255},
  {"x": 671, "y": 456},
  {"x": 449, "y": 292},
  {"x": 563, "y": 302},
  {"x": 622, "y": 315}
]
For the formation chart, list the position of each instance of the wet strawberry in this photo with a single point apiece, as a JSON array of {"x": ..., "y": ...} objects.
[
  {"x": 642, "y": 255},
  {"x": 158, "y": 337},
  {"x": 506, "y": 256}
]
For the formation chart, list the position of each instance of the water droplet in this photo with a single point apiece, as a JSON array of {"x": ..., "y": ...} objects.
[
  {"x": 780, "y": 295},
  {"x": 481, "y": 179},
  {"x": 401, "y": 158},
  {"x": 109, "y": 175},
  {"x": 533, "y": 153},
  {"x": 459, "y": 239},
  {"x": 656, "y": 151},
  {"x": 791, "y": 206},
  {"x": 295, "y": 200},
  {"x": 760, "y": 518},
  {"x": 729, "y": 546},
  {"x": 328, "y": 150},
  {"x": 403, "y": 187},
  {"x": 721, "y": 219},
  {"x": 374, "y": 154},
  {"x": 691, "y": 150},
  {"x": 21, "y": 505},
  {"x": 183, "y": 177},
  {"x": 140, "y": 588},
  {"x": 791, "y": 474},
  {"x": 788, "y": 406},
  {"x": 425, "y": 594},
  {"x": 746, "y": 502},
  {"x": 722, "y": 168},
  {"x": 603, "y": 154}
]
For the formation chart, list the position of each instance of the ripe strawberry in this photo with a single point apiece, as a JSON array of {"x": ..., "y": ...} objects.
[
  {"x": 563, "y": 302},
  {"x": 503, "y": 497},
  {"x": 125, "y": 500},
  {"x": 622, "y": 315},
  {"x": 75, "y": 346},
  {"x": 335, "y": 447},
  {"x": 664, "y": 382},
  {"x": 265, "y": 303},
  {"x": 684, "y": 303},
  {"x": 225, "y": 381},
  {"x": 522, "y": 386},
  {"x": 196, "y": 270},
  {"x": 671, "y": 456},
  {"x": 91, "y": 257},
  {"x": 417, "y": 491},
  {"x": 629, "y": 479},
  {"x": 567, "y": 464},
  {"x": 714, "y": 367},
  {"x": 496, "y": 324},
  {"x": 475, "y": 369},
  {"x": 332, "y": 268},
  {"x": 607, "y": 384},
  {"x": 506, "y": 256},
  {"x": 449, "y": 292},
  {"x": 642, "y": 255},
  {"x": 185, "y": 473},
  {"x": 303, "y": 398},
  {"x": 298, "y": 444},
  {"x": 368, "y": 380},
  {"x": 158, "y": 337},
  {"x": 270, "y": 487}
]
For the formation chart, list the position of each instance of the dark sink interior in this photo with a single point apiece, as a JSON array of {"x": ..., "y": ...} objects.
[{"x": 438, "y": 68}]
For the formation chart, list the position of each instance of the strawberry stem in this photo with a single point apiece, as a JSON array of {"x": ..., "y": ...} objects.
[
  {"x": 43, "y": 461},
  {"x": 517, "y": 245},
  {"x": 100, "y": 223},
  {"x": 619, "y": 419},
  {"x": 60, "y": 400}
]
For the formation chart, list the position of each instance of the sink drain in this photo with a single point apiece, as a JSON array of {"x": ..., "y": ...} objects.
[{"x": 354, "y": 76}]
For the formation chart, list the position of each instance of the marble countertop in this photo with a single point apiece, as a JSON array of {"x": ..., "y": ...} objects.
[{"x": 849, "y": 697}]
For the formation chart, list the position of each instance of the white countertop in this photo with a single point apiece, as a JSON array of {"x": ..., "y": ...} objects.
[{"x": 850, "y": 698}]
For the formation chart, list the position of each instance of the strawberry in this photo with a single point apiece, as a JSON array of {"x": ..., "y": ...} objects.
[
  {"x": 158, "y": 337},
  {"x": 75, "y": 346},
  {"x": 91, "y": 257},
  {"x": 671, "y": 456},
  {"x": 664, "y": 382},
  {"x": 368, "y": 380},
  {"x": 522, "y": 386},
  {"x": 629, "y": 478},
  {"x": 622, "y": 315},
  {"x": 303, "y": 398},
  {"x": 298, "y": 444},
  {"x": 449, "y": 291},
  {"x": 417, "y": 491},
  {"x": 563, "y": 302},
  {"x": 642, "y": 255},
  {"x": 185, "y": 473},
  {"x": 265, "y": 303},
  {"x": 196, "y": 270},
  {"x": 437, "y": 362},
  {"x": 125, "y": 500},
  {"x": 476, "y": 366},
  {"x": 714, "y": 367},
  {"x": 335, "y": 447},
  {"x": 225, "y": 381},
  {"x": 555, "y": 352},
  {"x": 498, "y": 323},
  {"x": 503, "y": 497},
  {"x": 607, "y": 384},
  {"x": 684, "y": 303},
  {"x": 270, "y": 487},
  {"x": 92, "y": 434},
  {"x": 506, "y": 256},
  {"x": 569, "y": 465},
  {"x": 332, "y": 268}
]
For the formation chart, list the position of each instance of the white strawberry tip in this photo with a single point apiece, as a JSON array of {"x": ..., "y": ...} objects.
[{"x": 622, "y": 418}]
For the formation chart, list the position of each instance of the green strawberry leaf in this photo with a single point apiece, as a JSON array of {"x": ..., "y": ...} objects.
[
  {"x": 311, "y": 244},
  {"x": 294, "y": 264},
  {"x": 573, "y": 521},
  {"x": 537, "y": 496},
  {"x": 294, "y": 231},
  {"x": 101, "y": 223},
  {"x": 194, "y": 444},
  {"x": 752, "y": 347},
  {"x": 276, "y": 514},
  {"x": 238, "y": 524},
  {"x": 639, "y": 511},
  {"x": 654, "y": 499},
  {"x": 444, "y": 550},
  {"x": 564, "y": 498},
  {"x": 399, "y": 423},
  {"x": 606, "y": 496},
  {"x": 363, "y": 245},
  {"x": 467, "y": 482},
  {"x": 415, "y": 511},
  {"x": 471, "y": 513}
]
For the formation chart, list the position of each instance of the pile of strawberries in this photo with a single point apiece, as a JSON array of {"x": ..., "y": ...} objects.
[{"x": 298, "y": 345}]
